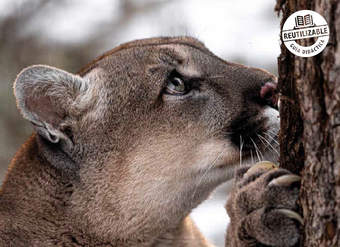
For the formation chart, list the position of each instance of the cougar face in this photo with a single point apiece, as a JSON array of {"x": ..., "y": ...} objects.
[{"x": 152, "y": 127}]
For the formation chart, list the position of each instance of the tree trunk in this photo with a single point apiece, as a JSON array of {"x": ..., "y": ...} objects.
[{"x": 310, "y": 124}]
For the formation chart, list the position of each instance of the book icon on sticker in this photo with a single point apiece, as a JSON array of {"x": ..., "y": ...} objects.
[{"x": 304, "y": 21}]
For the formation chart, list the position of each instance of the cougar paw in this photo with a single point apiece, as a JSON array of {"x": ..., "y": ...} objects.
[{"x": 263, "y": 207}]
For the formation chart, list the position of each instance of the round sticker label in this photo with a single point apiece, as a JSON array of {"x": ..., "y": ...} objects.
[{"x": 305, "y": 24}]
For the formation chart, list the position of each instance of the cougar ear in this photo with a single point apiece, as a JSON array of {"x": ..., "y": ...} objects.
[{"x": 44, "y": 96}]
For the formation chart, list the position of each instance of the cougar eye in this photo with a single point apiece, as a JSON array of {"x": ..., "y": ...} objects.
[{"x": 176, "y": 86}]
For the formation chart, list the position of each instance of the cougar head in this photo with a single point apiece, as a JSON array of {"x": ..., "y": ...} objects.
[{"x": 149, "y": 129}]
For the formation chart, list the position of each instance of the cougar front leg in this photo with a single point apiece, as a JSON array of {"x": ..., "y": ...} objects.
[{"x": 263, "y": 207}]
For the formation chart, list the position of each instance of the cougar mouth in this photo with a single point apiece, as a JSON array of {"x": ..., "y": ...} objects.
[
  {"x": 245, "y": 133},
  {"x": 255, "y": 138}
]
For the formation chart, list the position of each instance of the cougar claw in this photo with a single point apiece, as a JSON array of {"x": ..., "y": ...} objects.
[
  {"x": 285, "y": 180},
  {"x": 263, "y": 165},
  {"x": 290, "y": 214}
]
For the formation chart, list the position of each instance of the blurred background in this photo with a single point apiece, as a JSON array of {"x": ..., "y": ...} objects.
[{"x": 70, "y": 33}]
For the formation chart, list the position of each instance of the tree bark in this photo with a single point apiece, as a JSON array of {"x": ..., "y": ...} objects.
[{"x": 310, "y": 124}]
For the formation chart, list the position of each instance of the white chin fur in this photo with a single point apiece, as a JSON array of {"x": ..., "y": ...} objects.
[
  {"x": 271, "y": 135},
  {"x": 271, "y": 152}
]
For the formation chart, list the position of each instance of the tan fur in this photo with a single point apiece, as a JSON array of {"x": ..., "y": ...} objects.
[{"x": 118, "y": 162}]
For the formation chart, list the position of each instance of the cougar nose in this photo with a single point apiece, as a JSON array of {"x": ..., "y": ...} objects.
[{"x": 269, "y": 94}]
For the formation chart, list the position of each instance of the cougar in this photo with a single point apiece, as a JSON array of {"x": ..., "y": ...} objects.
[{"x": 124, "y": 150}]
